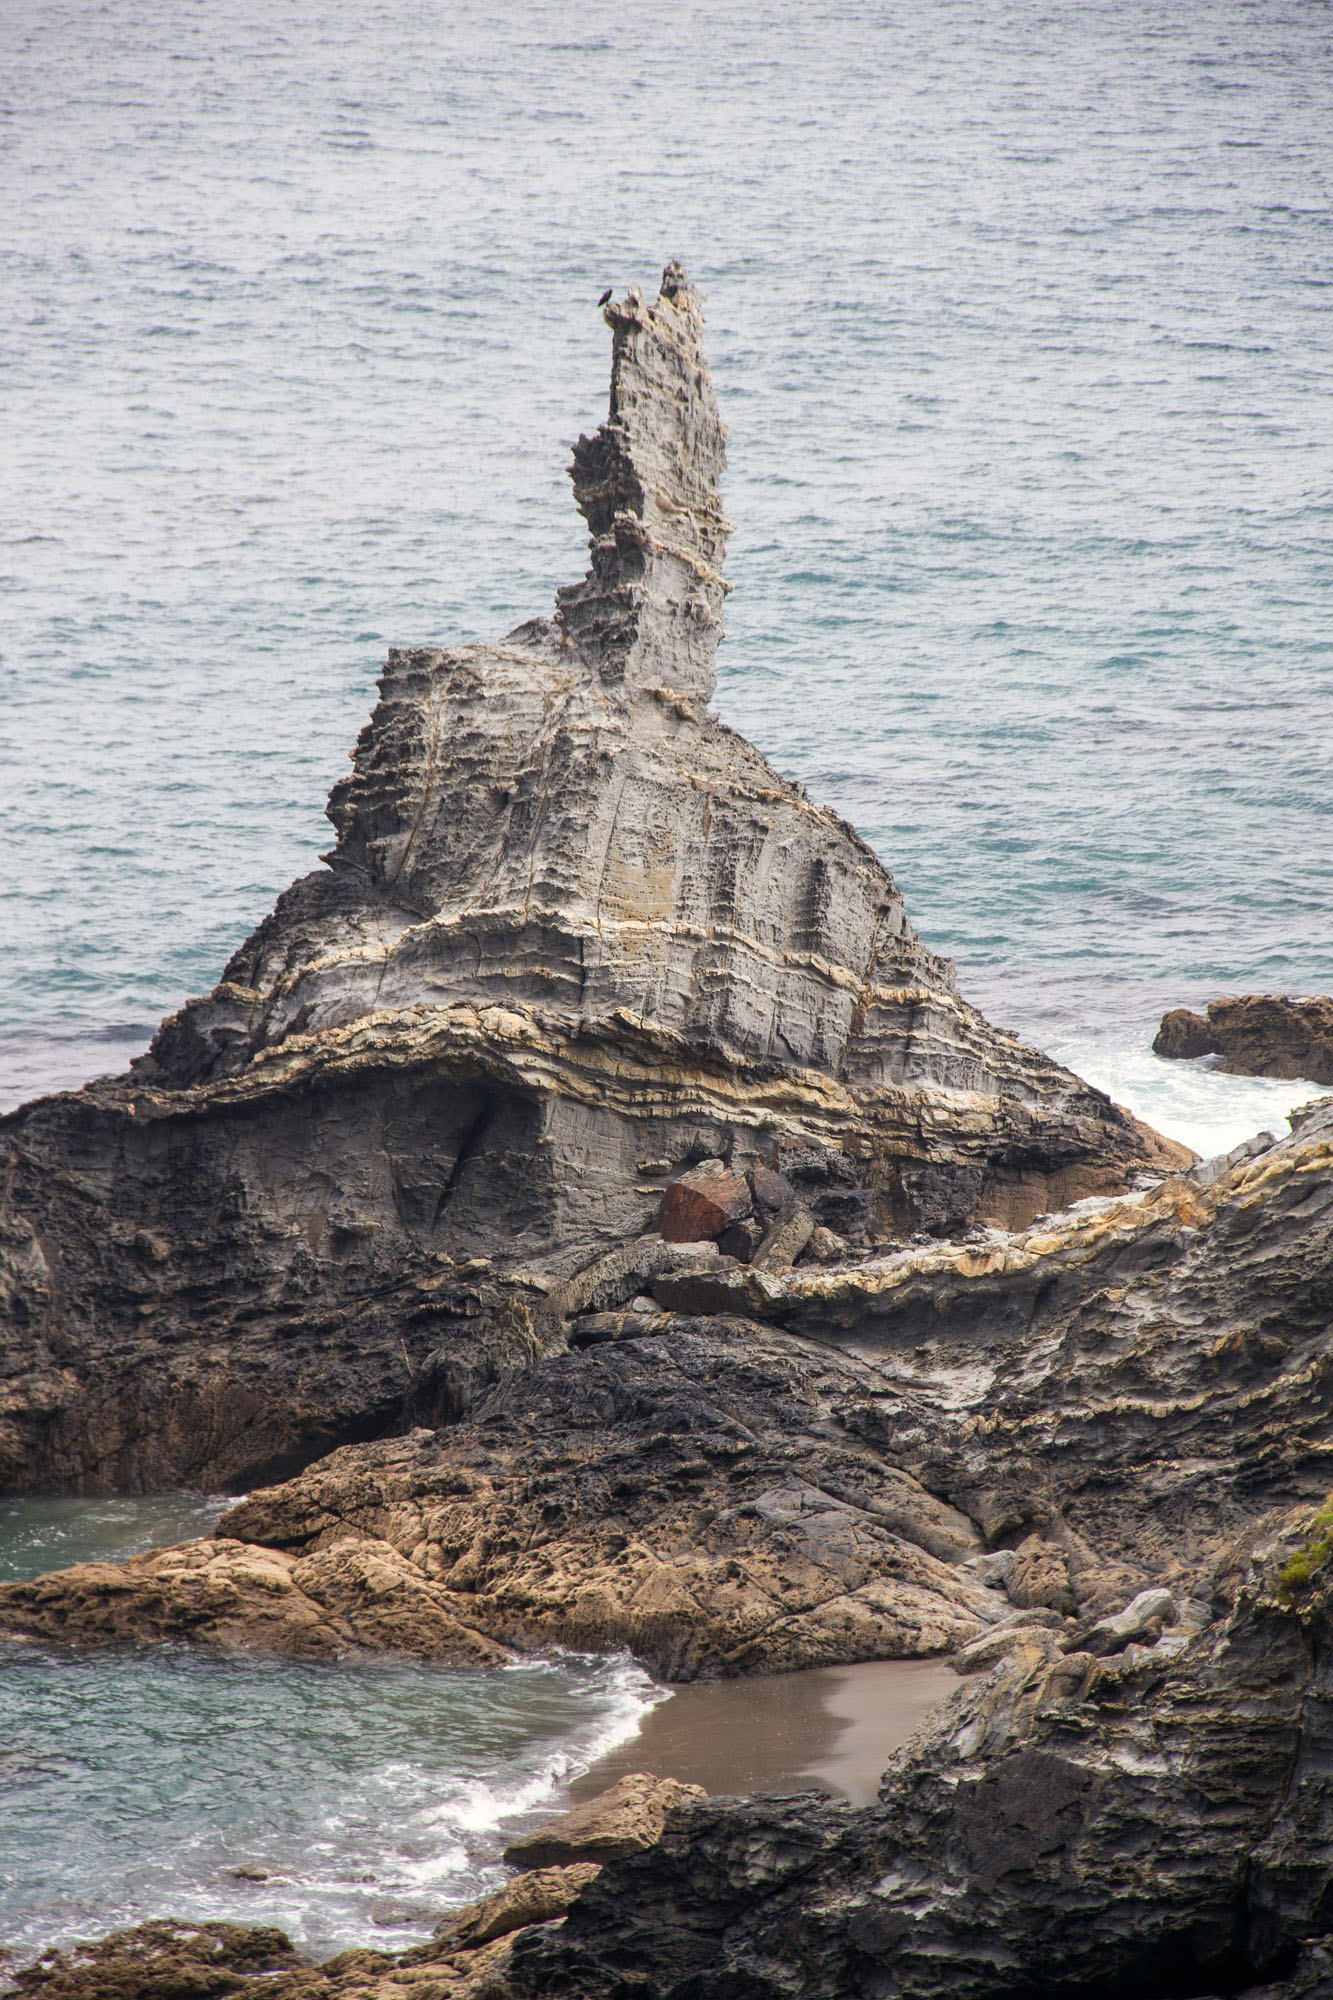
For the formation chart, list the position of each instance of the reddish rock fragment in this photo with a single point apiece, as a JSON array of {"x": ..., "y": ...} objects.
[{"x": 701, "y": 1203}]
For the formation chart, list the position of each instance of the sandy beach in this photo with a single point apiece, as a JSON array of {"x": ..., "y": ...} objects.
[{"x": 831, "y": 1728}]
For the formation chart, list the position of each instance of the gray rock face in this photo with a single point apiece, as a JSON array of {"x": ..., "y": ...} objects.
[
  {"x": 1073, "y": 1827},
  {"x": 573, "y": 935}
]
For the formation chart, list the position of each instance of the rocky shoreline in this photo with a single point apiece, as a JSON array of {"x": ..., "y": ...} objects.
[{"x": 587, "y": 1215}]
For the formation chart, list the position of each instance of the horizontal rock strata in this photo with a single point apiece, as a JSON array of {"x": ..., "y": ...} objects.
[
  {"x": 1259, "y": 1034},
  {"x": 574, "y": 936}
]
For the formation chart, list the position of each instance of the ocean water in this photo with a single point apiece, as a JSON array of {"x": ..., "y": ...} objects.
[
  {"x": 370, "y": 1798},
  {"x": 1020, "y": 319},
  {"x": 1019, "y": 314}
]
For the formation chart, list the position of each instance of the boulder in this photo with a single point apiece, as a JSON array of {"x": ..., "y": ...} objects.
[
  {"x": 1184, "y": 1035},
  {"x": 772, "y": 1191},
  {"x": 623, "y": 1820},
  {"x": 533, "y": 1897},
  {"x": 741, "y": 1239},
  {"x": 784, "y": 1241},
  {"x": 1039, "y": 1575},
  {"x": 1142, "y": 1619},
  {"x": 700, "y": 1204},
  {"x": 1258, "y": 1034}
]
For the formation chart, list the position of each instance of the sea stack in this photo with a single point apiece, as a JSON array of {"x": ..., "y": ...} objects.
[{"x": 575, "y": 938}]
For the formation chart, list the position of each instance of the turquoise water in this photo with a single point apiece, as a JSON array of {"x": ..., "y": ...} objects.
[
  {"x": 1019, "y": 315},
  {"x": 371, "y": 1797}
]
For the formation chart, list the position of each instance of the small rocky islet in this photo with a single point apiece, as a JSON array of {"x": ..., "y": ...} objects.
[{"x": 586, "y": 1214}]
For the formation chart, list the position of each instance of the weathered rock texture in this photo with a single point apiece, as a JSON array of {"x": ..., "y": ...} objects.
[
  {"x": 626, "y": 1819},
  {"x": 921, "y": 1450},
  {"x": 1259, "y": 1034},
  {"x": 1156, "y": 1823},
  {"x": 574, "y": 935}
]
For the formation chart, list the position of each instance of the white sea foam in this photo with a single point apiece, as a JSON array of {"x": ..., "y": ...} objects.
[{"x": 1190, "y": 1101}]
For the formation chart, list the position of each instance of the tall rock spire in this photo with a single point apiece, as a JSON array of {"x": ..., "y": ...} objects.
[{"x": 649, "y": 611}]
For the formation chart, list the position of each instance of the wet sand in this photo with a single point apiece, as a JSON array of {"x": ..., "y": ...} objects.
[{"x": 831, "y": 1728}]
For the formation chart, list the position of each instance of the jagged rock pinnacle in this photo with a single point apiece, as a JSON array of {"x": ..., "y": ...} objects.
[
  {"x": 575, "y": 935},
  {"x": 649, "y": 611}
]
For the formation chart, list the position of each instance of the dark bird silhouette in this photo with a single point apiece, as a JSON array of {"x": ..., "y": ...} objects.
[{"x": 605, "y": 299}]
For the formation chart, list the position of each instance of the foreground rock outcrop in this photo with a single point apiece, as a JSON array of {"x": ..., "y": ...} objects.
[
  {"x": 902, "y": 1456},
  {"x": 574, "y": 935},
  {"x": 1155, "y": 1823},
  {"x": 1149, "y": 1820},
  {"x": 1259, "y": 1034}
]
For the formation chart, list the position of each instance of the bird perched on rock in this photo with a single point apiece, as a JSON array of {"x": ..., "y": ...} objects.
[{"x": 605, "y": 299}]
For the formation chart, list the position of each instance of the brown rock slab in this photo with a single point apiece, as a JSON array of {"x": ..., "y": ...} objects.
[
  {"x": 701, "y": 1204},
  {"x": 533, "y": 1897},
  {"x": 1258, "y": 1034},
  {"x": 624, "y": 1820},
  {"x": 785, "y": 1241}
]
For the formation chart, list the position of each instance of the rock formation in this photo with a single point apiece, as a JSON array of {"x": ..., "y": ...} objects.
[
  {"x": 1259, "y": 1034},
  {"x": 903, "y": 1457},
  {"x": 574, "y": 937},
  {"x": 595, "y": 1155},
  {"x": 1152, "y": 1823}
]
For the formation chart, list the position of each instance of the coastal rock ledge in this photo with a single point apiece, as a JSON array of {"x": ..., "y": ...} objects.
[{"x": 574, "y": 937}]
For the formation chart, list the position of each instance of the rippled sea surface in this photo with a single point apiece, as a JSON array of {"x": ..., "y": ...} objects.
[
  {"x": 1020, "y": 318},
  {"x": 361, "y": 1801}
]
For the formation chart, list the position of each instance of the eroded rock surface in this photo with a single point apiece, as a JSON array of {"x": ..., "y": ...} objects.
[
  {"x": 625, "y": 1819},
  {"x": 574, "y": 936},
  {"x": 1044, "y": 1424},
  {"x": 693, "y": 1496},
  {"x": 1140, "y": 1825},
  {"x": 1259, "y": 1034}
]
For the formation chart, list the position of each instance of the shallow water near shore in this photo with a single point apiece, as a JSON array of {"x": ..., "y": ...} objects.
[
  {"x": 362, "y": 1800},
  {"x": 369, "y": 1797}
]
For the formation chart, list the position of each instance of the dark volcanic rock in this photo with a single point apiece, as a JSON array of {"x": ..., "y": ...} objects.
[
  {"x": 1184, "y": 1035},
  {"x": 1150, "y": 1824},
  {"x": 573, "y": 934},
  {"x": 1259, "y": 1034}
]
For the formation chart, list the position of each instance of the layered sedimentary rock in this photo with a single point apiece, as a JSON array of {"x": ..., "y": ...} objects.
[
  {"x": 1259, "y": 1034},
  {"x": 574, "y": 935},
  {"x": 1152, "y": 1823},
  {"x": 908, "y": 1457}
]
